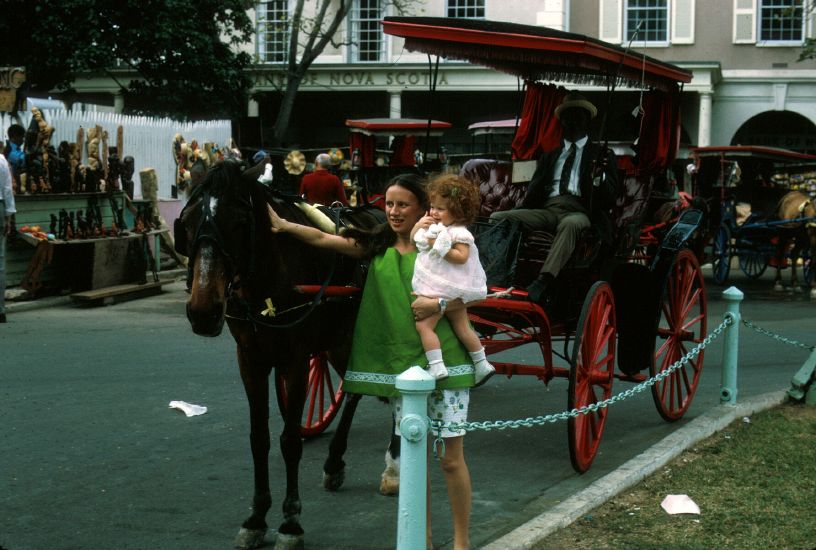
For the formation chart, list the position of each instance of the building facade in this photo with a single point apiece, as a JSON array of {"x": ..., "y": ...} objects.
[{"x": 748, "y": 87}]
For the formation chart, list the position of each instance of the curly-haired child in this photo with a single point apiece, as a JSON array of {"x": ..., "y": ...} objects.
[{"x": 448, "y": 268}]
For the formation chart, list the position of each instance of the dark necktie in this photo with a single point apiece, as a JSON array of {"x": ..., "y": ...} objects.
[{"x": 566, "y": 171}]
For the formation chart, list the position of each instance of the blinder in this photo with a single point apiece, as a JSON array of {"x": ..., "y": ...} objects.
[{"x": 180, "y": 237}]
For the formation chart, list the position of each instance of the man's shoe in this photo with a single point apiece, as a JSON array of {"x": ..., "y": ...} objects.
[
  {"x": 2, "y": 317},
  {"x": 538, "y": 288}
]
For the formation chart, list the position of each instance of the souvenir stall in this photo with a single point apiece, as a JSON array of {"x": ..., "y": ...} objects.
[{"x": 77, "y": 228}]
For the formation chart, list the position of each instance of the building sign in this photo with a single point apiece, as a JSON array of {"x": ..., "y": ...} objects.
[
  {"x": 11, "y": 78},
  {"x": 354, "y": 79}
]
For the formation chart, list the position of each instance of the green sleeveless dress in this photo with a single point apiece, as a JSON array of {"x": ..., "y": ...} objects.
[{"x": 385, "y": 341}]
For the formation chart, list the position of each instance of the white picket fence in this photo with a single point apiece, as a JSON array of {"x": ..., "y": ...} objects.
[{"x": 148, "y": 140}]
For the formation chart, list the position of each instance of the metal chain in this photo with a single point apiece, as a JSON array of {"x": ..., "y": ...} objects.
[
  {"x": 775, "y": 336},
  {"x": 437, "y": 425}
]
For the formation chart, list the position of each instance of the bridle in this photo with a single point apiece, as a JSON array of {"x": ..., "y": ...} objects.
[{"x": 207, "y": 230}]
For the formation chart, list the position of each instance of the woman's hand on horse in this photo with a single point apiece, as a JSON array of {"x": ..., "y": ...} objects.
[{"x": 278, "y": 223}]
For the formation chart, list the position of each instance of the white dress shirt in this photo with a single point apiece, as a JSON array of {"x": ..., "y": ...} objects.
[
  {"x": 6, "y": 194},
  {"x": 574, "y": 187}
]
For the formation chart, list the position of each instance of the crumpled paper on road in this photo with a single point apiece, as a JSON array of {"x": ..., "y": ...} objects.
[
  {"x": 188, "y": 408},
  {"x": 679, "y": 504}
]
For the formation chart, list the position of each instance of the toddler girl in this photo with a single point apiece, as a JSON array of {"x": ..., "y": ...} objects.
[{"x": 447, "y": 267}]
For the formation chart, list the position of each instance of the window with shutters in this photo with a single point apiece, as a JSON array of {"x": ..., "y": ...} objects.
[
  {"x": 466, "y": 9},
  {"x": 653, "y": 18},
  {"x": 367, "y": 43},
  {"x": 780, "y": 22},
  {"x": 273, "y": 31}
]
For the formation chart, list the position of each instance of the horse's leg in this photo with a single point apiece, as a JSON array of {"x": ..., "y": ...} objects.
[
  {"x": 389, "y": 482},
  {"x": 334, "y": 468},
  {"x": 256, "y": 385},
  {"x": 780, "y": 259},
  {"x": 290, "y": 533}
]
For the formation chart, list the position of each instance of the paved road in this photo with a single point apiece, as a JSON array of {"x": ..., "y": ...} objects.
[{"x": 92, "y": 457}]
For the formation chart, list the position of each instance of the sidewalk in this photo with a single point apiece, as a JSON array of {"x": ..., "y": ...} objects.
[{"x": 12, "y": 307}]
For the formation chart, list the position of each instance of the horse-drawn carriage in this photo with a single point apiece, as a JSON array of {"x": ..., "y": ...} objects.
[
  {"x": 607, "y": 310},
  {"x": 376, "y": 158},
  {"x": 749, "y": 188}
]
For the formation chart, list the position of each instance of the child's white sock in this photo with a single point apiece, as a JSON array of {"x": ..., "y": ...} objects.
[
  {"x": 436, "y": 366},
  {"x": 481, "y": 367}
]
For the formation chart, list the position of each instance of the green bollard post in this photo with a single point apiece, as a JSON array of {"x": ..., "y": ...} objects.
[
  {"x": 415, "y": 384},
  {"x": 728, "y": 386}
]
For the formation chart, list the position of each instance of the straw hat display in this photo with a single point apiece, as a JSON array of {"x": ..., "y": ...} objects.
[{"x": 295, "y": 162}]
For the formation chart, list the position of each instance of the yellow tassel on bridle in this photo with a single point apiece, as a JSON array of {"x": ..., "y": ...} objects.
[{"x": 270, "y": 308}]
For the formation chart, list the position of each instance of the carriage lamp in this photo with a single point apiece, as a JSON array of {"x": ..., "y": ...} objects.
[
  {"x": 443, "y": 155},
  {"x": 356, "y": 161}
]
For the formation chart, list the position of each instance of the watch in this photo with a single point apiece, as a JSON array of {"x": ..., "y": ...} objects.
[{"x": 443, "y": 305}]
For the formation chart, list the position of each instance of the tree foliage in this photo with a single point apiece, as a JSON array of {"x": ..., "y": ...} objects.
[{"x": 169, "y": 57}]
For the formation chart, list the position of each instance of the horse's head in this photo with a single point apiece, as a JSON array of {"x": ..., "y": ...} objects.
[{"x": 216, "y": 231}]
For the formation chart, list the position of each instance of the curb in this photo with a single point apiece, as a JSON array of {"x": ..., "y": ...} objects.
[
  {"x": 166, "y": 277},
  {"x": 633, "y": 471}
]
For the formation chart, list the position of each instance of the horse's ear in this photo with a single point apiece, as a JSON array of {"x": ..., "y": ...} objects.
[{"x": 253, "y": 173}]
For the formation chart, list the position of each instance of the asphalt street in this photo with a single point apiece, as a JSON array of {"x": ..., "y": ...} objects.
[{"x": 93, "y": 457}]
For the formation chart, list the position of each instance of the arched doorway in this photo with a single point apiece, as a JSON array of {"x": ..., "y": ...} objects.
[{"x": 784, "y": 129}]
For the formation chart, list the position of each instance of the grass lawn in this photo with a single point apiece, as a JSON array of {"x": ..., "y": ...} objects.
[{"x": 755, "y": 484}]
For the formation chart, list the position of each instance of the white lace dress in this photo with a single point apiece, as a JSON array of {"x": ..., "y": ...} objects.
[{"x": 436, "y": 277}]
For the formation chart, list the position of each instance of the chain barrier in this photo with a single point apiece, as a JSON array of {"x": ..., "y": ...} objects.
[
  {"x": 775, "y": 336},
  {"x": 437, "y": 425}
]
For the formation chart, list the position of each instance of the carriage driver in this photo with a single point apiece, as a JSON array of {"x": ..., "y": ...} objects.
[{"x": 568, "y": 182}]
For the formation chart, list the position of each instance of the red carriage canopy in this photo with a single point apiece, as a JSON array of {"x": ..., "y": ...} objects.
[{"x": 538, "y": 54}]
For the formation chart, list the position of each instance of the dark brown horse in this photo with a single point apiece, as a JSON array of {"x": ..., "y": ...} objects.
[
  {"x": 800, "y": 233},
  {"x": 242, "y": 273}
]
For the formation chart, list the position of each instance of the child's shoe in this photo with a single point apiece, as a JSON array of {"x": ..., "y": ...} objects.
[
  {"x": 438, "y": 370},
  {"x": 483, "y": 371}
]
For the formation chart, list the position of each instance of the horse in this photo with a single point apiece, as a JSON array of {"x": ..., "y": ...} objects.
[
  {"x": 794, "y": 206},
  {"x": 240, "y": 273}
]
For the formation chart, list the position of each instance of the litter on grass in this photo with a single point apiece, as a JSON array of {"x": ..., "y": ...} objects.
[
  {"x": 679, "y": 504},
  {"x": 188, "y": 408}
]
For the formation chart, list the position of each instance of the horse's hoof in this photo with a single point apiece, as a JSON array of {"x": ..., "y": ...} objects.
[
  {"x": 333, "y": 482},
  {"x": 389, "y": 486},
  {"x": 813, "y": 294},
  {"x": 778, "y": 287},
  {"x": 249, "y": 538},
  {"x": 289, "y": 542}
]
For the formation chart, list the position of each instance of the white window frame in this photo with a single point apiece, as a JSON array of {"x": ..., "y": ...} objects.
[
  {"x": 779, "y": 43},
  {"x": 465, "y": 5},
  {"x": 647, "y": 43},
  {"x": 355, "y": 20},
  {"x": 262, "y": 31}
]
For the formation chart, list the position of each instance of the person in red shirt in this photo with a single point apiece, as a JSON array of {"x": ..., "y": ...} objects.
[{"x": 321, "y": 186}]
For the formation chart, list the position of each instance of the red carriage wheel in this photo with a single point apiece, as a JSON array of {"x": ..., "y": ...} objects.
[
  {"x": 681, "y": 326},
  {"x": 591, "y": 375},
  {"x": 324, "y": 395}
]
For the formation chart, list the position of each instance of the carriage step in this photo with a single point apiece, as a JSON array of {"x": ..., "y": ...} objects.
[{"x": 115, "y": 294}]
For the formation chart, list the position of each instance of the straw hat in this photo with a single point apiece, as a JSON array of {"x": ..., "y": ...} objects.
[
  {"x": 575, "y": 99},
  {"x": 295, "y": 162}
]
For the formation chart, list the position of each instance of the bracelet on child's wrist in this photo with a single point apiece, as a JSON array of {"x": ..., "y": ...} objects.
[{"x": 443, "y": 305}]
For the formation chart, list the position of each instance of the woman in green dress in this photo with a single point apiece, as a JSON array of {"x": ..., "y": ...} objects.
[{"x": 385, "y": 342}]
